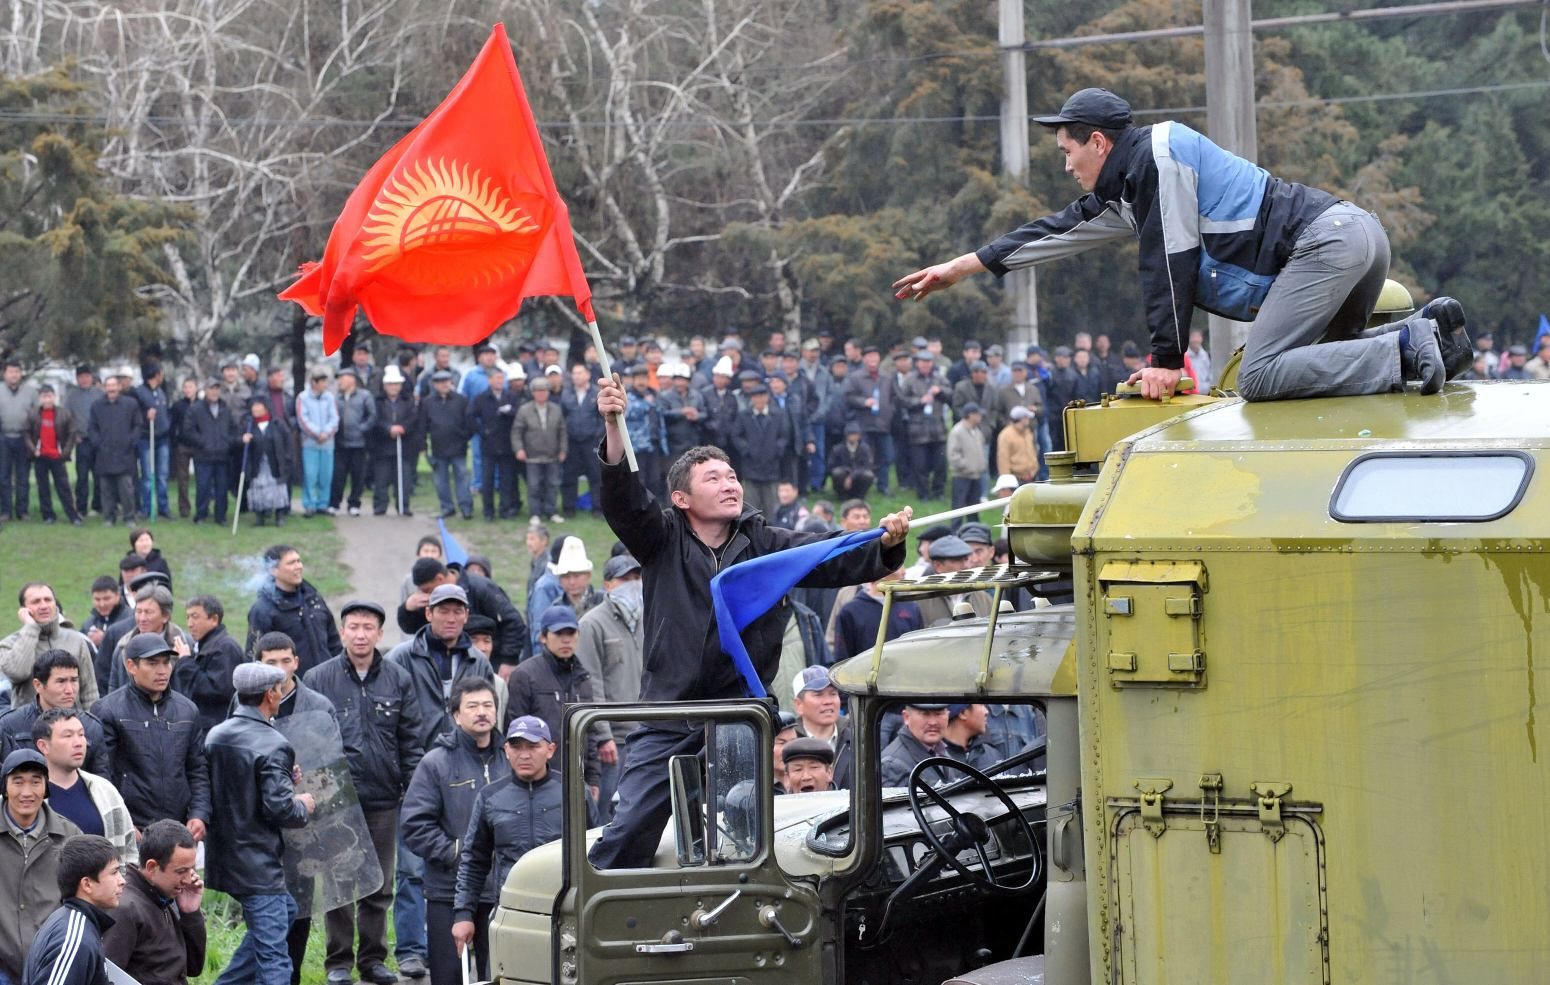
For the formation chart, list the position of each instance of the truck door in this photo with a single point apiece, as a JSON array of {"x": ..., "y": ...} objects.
[{"x": 715, "y": 907}]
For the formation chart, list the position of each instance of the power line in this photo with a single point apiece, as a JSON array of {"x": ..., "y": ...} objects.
[{"x": 9, "y": 116}]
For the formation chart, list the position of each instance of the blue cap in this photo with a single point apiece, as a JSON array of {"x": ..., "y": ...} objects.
[
  {"x": 557, "y": 617},
  {"x": 811, "y": 679},
  {"x": 529, "y": 727},
  {"x": 953, "y": 711}
]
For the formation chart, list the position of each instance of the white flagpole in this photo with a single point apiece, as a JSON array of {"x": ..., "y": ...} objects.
[
  {"x": 999, "y": 505},
  {"x": 608, "y": 371}
]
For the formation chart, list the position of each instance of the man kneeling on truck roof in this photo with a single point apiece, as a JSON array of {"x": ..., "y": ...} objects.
[{"x": 706, "y": 529}]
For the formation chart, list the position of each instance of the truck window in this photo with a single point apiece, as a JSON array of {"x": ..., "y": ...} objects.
[{"x": 1431, "y": 487}]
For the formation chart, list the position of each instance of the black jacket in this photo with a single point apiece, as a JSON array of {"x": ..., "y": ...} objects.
[
  {"x": 302, "y": 615},
  {"x": 855, "y": 628},
  {"x": 379, "y": 720},
  {"x": 157, "y": 756},
  {"x": 209, "y": 437},
  {"x": 439, "y": 803},
  {"x": 114, "y": 428},
  {"x": 447, "y": 424},
  {"x": 683, "y": 658},
  {"x": 250, "y": 774},
  {"x": 205, "y": 676},
  {"x": 151, "y": 939},
  {"x": 490, "y": 422},
  {"x": 485, "y": 598},
  {"x": 430, "y": 692},
  {"x": 543, "y": 686},
  {"x": 16, "y": 733},
  {"x": 762, "y": 441},
  {"x": 68, "y": 948},
  {"x": 103, "y": 662},
  {"x": 403, "y": 413},
  {"x": 511, "y": 817},
  {"x": 583, "y": 424},
  {"x": 272, "y": 444}
]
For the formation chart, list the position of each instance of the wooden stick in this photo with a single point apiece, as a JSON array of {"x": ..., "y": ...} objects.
[{"x": 608, "y": 371}]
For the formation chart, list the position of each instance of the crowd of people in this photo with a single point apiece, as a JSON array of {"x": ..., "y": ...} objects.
[
  {"x": 153, "y": 734},
  {"x": 842, "y": 417}
]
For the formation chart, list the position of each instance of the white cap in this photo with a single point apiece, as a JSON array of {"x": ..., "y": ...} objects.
[
  {"x": 251, "y": 360},
  {"x": 1006, "y": 481},
  {"x": 392, "y": 374},
  {"x": 554, "y": 368},
  {"x": 723, "y": 366},
  {"x": 573, "y": 558}
]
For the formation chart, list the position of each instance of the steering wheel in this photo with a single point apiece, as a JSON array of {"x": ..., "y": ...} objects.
[{"x": 969, "y": 830}]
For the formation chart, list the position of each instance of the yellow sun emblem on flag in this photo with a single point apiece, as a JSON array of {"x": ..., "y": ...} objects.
[{"x": 441, "y": 225}]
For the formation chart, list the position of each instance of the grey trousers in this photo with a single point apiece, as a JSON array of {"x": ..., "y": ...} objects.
[{"x": 1309, "y": 338}]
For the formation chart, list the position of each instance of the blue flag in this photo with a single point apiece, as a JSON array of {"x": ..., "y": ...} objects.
[
  {"x": 1544, "y": 329},
  {"x": 749, "y": 589},
  {"x": 451, "y": 551}
]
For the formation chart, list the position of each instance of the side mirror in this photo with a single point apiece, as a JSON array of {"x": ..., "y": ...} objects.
[{"x": 686, "y": 782}]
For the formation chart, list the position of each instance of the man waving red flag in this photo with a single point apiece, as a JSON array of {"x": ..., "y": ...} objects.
[{"x": 454, "y": 226}]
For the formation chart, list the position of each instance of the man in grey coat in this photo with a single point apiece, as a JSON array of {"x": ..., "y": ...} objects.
[
  {"x": 18, "y": 397},
  {"x": 538, "y": 438},
  {"x": 609, "y": 649},
  {"x": 357, "y": 415}
]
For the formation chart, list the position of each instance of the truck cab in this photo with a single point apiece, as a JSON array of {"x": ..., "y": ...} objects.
[{"x": 1286, "y": 658}]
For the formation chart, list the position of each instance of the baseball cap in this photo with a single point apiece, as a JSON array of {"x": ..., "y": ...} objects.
[
  {"x": 557, "y": 617},
  {"x": 619, "y": 565},
  {"x": 24, "y": 759},
  {"x": 970, "y": 408},
  {"x": 953, "y": 711},
  {"x": 807, "y": 748},
  {"x": 255, "y": 678},
  {"x": 145, "y": 646},
  {"x": 1094, "y": 107},
  {"x": 811, "y": 679},
  {"x": 530, "y": 728},
  {"x": 447, "y": 593}
]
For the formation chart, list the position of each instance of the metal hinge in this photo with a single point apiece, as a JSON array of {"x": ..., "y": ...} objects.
[
  {"x": 1270, "y": 794},
  {"x": 1152, "y": 790},
  {"x": 1211, "y": 810}
]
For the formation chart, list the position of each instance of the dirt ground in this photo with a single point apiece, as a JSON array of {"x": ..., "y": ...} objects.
[{"x": 377, "y": 554}]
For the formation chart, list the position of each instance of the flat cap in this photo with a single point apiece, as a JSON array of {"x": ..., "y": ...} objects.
[
  {"x": 974, "y": 533},
  {"x": 255, "y": 678},
  {"x": 971, "y": 408},
  {"x": 1019, "y": 413},
  {"x": 479, "y": 625},
  {"x": 949, "y": 548},
  {"x": 441, "y": 374},
  {"x": 363, "y": 605},
  {"x": 807, "y": 747},
  {"x": 926, "y": 707},
  {"x": 619, "y": 565},
  {"x": 148, "y": 578}
]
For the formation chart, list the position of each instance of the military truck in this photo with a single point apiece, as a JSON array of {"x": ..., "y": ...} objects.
[{"x": 1291, "y": 735}]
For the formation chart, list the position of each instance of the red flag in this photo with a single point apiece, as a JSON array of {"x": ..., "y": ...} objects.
[{"x": 454, "y": 226}]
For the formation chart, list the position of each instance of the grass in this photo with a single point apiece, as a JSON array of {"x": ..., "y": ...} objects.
[{"x": 205, "y": 560}]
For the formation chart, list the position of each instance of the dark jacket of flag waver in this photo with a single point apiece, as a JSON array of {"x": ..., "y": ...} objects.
[
  {"x": 683, "y": 658},
  {"x": 68, "y": 948}
]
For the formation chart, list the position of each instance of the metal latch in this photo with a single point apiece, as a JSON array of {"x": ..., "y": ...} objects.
[
  {"x": 1193, "y": 662},
  {"x": 1122, "y": 662},
  {"x": 1211, "y": 797},
  {"x": 1116, "y": 605},
  {"x": 1152, "y": 790},
  {"x": 1189, "y": 605},
  {"x": 1270, "y": 794}
]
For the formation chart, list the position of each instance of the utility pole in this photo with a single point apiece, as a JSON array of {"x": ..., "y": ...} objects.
[
  {"x": 1020, "y": 284},
  {"x": 1230, "y": 120}
]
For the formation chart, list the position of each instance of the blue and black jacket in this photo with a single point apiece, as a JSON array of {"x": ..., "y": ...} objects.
[{"x": 1215, "y": 229}]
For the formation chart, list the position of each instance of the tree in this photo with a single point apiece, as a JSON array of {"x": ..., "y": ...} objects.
[{"x": 79, "y": 265}]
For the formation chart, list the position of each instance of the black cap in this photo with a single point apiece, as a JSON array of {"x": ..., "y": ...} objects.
[
  {"x": 145, "y": 646},
  {"x": 149, "y": 578},
  {"x": 807, "y": 748},
  {"x": 757, "y": 389},
  {"x": 364, "y": 605},
  {"x": 480, "y": 625},
  {"x": 1094, "y": 107}
]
